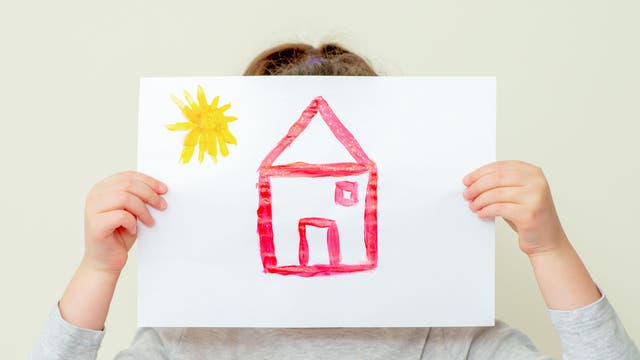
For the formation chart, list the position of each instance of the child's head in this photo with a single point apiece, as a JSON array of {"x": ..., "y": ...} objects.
[{"x": 303, "y": 59}]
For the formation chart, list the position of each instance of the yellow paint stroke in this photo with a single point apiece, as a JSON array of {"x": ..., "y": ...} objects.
[{"x": 208, "y": 127}]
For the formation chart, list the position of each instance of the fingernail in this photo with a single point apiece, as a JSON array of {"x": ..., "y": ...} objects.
[
  {"x": 465, "y": 179},
  {"x": 163, "y": 203}
]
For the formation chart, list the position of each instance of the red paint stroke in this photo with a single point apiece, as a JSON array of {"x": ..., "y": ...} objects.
[
  {"x": 333, "y": 239},
  {"x": 343, "y": 187},
  {"x": 318, "y": 270},
  {"x": 300, "y": 169},
  {"x": 361, "y": 165}
]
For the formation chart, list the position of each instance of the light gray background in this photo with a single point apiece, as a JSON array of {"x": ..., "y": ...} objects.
[{"x": 568, "y": 95}]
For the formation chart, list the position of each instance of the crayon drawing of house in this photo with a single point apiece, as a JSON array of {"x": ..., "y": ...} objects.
[{"x": 344, "y": 194}]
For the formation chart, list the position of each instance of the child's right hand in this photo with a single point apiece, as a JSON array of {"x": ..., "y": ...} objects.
[{"x": 112, "y": 209}]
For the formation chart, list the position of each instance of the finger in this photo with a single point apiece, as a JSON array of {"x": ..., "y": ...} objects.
[
  {"x": 506, "y": 210},
  {"x": 496, "y": 195},
  {"x": 126, "y": 201},
  {"x": 144, "y": 192},
  {"x": 489, "y": 168},
  {"x": 492, "y": 180},
  {"x": 156, "y": 185},
  {"x": 128, "y": 240},
  {"x": 138, "y": 189},
  {"x": 106, "y": 223}
]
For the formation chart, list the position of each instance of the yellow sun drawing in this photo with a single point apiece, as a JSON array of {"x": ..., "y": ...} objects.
[{"x": 207, "y": 125}]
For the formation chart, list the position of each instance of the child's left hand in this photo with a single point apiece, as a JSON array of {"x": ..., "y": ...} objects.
[{"x": 519, "y": 193}]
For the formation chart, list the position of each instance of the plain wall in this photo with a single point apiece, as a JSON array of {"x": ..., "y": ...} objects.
[{"x": 568, "y": 79}]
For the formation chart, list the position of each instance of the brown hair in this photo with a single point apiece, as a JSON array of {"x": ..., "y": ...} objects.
[{"x": 303, "y": 59}]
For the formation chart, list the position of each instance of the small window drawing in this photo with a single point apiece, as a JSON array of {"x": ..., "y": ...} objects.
[{"x": 346, "y": 193}]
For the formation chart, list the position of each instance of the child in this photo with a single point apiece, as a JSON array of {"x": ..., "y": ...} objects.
[{"x": 516, "y": 191}]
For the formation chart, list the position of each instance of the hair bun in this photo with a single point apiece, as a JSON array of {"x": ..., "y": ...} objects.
[{"x": 304, "y": 59}]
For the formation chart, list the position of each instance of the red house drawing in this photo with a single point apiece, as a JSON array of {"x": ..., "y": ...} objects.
[{"x": 346, "y": 194}]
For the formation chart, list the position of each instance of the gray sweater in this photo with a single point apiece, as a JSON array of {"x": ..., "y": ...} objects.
[{"x": 592, "y": 332}]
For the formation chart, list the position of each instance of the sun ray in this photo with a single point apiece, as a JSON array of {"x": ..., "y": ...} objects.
[
  {"x": 189, "y": 99},
  {"x": 224, "y": 151},
  {"x": 207, "y": 125},
  {"x": 202, "y": 99},
  {"x": 229, "y": 138},
  {"x": 192, "y": 138},
  {"x": 214, "y": 102},
  {"x": 187, "y": 152},
  {"x": 181, "y": 126},
  {"x": 178, "y": 102},
  {"x": 202, "y": 147},
  {"x": 212, "y": 147}
]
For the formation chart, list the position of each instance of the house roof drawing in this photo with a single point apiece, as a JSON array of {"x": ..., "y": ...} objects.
[{"x": 342, "y": 134}]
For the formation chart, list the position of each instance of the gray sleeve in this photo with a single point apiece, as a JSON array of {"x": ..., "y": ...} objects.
[
  {"x": 593, "y": 332},
  {"x": 61, "y": 340},
  {"x": 502, "y": 342},
  {"x": 152, "y": 344}
]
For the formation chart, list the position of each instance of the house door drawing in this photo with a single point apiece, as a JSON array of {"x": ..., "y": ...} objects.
[
  {"x": 346, "y": 194},
  {"x": 333, "y": 239}
]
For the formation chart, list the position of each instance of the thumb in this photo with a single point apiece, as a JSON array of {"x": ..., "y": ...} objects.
[{"x": 128, "y": 239}]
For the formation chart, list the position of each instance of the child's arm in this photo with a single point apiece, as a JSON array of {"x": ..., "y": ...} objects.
[
  {"x": 584, "y": 319},
  {"x": 519, "y": 193},
  {"x": 112, "y": 210}
]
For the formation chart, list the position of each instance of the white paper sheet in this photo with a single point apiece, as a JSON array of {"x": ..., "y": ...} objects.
[{"x": 201, "y": 264}]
